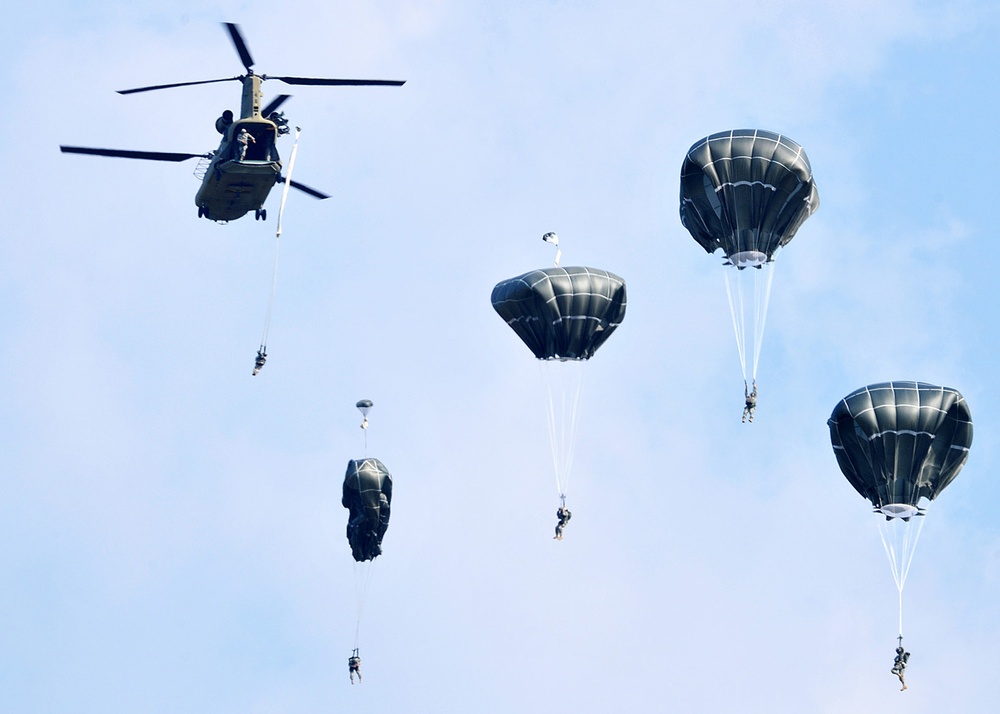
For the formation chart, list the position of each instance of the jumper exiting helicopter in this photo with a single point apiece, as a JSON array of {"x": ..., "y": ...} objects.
[{"x": 237, "y": 177}]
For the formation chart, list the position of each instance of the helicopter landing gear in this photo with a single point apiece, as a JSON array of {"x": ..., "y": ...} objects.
[
  {"x": 202, "y": 211},
  {"x": 261, "y": 214}
]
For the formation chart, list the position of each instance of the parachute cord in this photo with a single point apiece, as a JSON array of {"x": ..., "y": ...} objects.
[
  {"x": 563, "y": 400},
  {"x": 362, "y": 579},
  {"x": 901, "y": 615},
  {"x": 762, "y": 288},
  {"x": 736, "y": 311},
  {"x": 900, "y": 551},
  {"x": 554, "y": 438}
]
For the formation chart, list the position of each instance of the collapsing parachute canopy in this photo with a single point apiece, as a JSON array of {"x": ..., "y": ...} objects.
[
  {"x": 900, "y": 442},
  {"x": 562, "y": 313},
  {"x": 367, "y": 494},
  {"x": 746, "y": 192}
]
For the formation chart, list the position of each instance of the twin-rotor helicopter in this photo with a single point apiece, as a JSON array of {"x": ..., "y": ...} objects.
[{"x": 237, "y": 177}]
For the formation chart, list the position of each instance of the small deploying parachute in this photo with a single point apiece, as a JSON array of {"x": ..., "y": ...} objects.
[
  {"x": 900, "y": 444},
  {"x": 364, "y": 406},
  {"x": 563, "y": 315},
  {"x": 367, "y": 494},
  {"x": 745, "y": 193}
]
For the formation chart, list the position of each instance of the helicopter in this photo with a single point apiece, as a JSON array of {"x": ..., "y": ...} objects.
[{"x": 237, "y": 177}]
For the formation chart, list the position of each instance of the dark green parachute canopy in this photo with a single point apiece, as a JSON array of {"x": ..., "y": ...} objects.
[
  {"x": 746, "y": 192},
  {"x": 562, "y": 313},
  {"x": 367, "y": 493},
  {"x": 898, "y": 442}
]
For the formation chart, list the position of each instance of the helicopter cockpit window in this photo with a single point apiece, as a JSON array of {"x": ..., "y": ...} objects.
[{"x": 254, "y": 141}]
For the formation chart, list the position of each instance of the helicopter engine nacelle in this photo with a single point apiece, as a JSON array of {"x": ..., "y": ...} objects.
[{"x": 223, "y": 122}]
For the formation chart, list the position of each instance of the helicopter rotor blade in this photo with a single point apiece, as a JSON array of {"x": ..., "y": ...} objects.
[
  {"x": 311, "y": 191},
  {"x": 176, "y": 84},
  {"x": 338, "y": 82},
  {"x": 305, "y": 189},
  {"x": 274, "y": 104},
  {"x": 126, "y": 154},
  {"x": 240, "y": 44}
]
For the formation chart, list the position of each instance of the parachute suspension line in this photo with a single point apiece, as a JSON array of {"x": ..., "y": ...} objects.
[
  {"x": 901, "y": 615},
  {"x": 762, "y": 290},
  {"x": 899, "y": 538},
  {"x": 733, "y": 284},
  {"x": 749, "y": 293},
  {"x": 362, "y": 579},
  {"x": 563, "y": 381}
]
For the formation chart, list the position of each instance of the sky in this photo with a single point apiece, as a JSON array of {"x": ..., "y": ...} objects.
[{"x": 171, "y": 534}]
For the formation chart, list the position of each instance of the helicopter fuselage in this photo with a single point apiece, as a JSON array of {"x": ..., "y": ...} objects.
[{"x": 241, "y": 172}]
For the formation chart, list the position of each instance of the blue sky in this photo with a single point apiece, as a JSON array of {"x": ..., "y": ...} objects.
[{"x": 171, "y": 529}]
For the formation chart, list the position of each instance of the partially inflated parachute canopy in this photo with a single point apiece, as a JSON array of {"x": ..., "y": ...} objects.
[
  {"x": 746, "y": 192},
  {"x": 367, "y": 494},
  {"x": 900, "y": 442},
  {"x": 562, "y": 313}
]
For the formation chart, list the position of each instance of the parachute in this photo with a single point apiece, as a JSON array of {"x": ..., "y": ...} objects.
[
  {"x": 900, "y": 444},
  {"x": 364, "y": 406},
  {"x": 745, "y": 193},
  {"x": 367, "y": 494},
  {"x": 563, "y": 315}
]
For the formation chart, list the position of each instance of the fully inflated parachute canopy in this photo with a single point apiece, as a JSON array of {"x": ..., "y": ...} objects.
[
  {"x": 746, "y": 192},
  {"x": 562, "y": 313},
  {"x": 899, "y": 442},
  {"x": 367, "y": 494}
]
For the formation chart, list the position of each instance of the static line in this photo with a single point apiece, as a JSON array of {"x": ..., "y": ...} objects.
[{"x": 270, "y": 299}]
